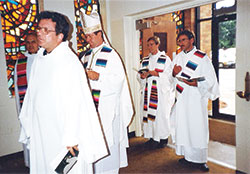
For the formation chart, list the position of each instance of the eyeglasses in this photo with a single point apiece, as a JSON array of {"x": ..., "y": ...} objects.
[
  {"x": 44, "y": 30},
  {"x": 182, "y": 40}
]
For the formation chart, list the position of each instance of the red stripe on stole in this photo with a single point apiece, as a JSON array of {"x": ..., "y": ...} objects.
[
  {"x": 22, "y": 92},
  {"x": 21, "y": 72},
  {"x": 21, "y": 67},
  {"x": 199, "y": 54},
  {"x": 96, "y": 99},
  {"x": 22, "y": 81},
  {"x": 158, "y": 70}
]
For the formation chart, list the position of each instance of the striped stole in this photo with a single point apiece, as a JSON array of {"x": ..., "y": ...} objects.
[
  {"x": 160, "y": 64},
  {"x": 145, "y": 106},
  {"x": 151, "y": 107},
  {"x": 190, "y": 68},
  {"x": 21, "y": 78},
  {"x": 153, "y": 101},
  {"x": 96, "y": 96}
]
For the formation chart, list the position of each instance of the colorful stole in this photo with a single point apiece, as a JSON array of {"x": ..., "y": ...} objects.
[
  {"x": 145, "y": 106},
  {"x": 190, "y": 68},
  {"x": 21, "y": 78},
  {"x": 160, "y": 64},
  {"x": 101, "y": 62},
  {"x": 153, "y": 101},
  {"x": 150, "y": 110},
  {"x": 96, "y": 96}
]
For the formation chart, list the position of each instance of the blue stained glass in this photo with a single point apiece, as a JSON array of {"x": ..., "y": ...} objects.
[
  {"x": 22, "y": 48},
  {"x": 12, "y": 2}
]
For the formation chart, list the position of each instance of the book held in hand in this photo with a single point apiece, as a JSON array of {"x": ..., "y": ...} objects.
[
  {"x": 64, "y": 162},
  {"x": 198, "y": 79},
  {"x": 143, "y": 70}
]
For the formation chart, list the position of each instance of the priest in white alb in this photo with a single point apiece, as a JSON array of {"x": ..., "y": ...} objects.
[
  {"x": 58, "y": 112},
  {"x": 157, "y": 96},
  {"x": 110, "y": 91},
  {"x": 195, "y": 83}
]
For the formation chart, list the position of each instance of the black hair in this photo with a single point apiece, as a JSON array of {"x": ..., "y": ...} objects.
[
  {"x": 187, "y": 33},
  {"x": 98, "y": 32},
  {"x": 62, "y": 25},
  {"x": 30, "y": 34}
]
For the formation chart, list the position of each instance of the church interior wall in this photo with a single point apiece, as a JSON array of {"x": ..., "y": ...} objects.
[{"x": 116, "y": 11}]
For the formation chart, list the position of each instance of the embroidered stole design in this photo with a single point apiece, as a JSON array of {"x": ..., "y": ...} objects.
[
  {"x": 150, "y": 111},
  {"x": 160, "y": 64},
  {"x": 96, "y": 96},
  {"x": 99, "y": 62},
  {"x": 153, "y": 101},
  {"x": 179, "y": 88},
  {"x": 21, "y": 78},
  {"x": 145, "y": 107},
  {"x": 145, "y": 63},
  {"x": 191, "y": 66}
]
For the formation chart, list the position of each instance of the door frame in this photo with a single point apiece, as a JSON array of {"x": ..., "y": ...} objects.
[{"x": 131, "y": 46}]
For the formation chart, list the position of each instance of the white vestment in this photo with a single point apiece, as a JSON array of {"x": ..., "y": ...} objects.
[
  {"x": 58, "y": 111},
  {"x": 113, "y": 100},
  {"x": 155, "y": 114},
  {"x": 190, "y": 113},
  {"x": 30, "y": 59}
]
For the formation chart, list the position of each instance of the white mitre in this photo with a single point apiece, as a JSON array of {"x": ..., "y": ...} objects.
[{"x": 91, "y": 23}]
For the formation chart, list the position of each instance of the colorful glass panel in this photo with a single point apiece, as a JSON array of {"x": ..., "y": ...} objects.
[
  {"x": 18, "y": 18},
  {"x": 88, "y": 6},
  {"x": 178, "y": 17}
]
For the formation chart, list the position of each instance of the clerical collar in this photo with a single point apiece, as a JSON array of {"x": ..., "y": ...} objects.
[
  {"x": 45, "y": 52},
  {"x": 188, "y": 51}
]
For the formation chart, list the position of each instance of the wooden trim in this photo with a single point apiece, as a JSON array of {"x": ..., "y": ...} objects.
[{"x": 222, "y": 131}]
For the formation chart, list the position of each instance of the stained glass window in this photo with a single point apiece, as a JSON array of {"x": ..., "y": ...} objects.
[
  {"x": 178, "y": 17},
  {"x": 18, "y": 18},
  {"x": 88, "y": 6}
]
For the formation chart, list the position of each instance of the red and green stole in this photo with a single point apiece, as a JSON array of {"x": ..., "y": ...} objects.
[{"x": 21, "y": 78}]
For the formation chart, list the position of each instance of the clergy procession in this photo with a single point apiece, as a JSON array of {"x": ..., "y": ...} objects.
[{"x": 75, "y": 111}]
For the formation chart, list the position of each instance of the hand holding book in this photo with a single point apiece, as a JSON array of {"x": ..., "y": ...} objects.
[
  {"x": 64, "y": 162},
  {"x": 192, "y": 81},
  {"x": 198, "y": 79}
]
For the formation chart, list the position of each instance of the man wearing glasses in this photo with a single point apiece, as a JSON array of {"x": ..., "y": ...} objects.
[
  {"x": 58, "y": 112},
  {"x": 195, "y": 83}
]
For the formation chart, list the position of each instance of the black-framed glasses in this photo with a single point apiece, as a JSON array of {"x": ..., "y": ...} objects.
[{"x": 44, "y": 30}]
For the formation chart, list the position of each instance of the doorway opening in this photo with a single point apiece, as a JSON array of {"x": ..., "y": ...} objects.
[
  {"x": 215, "y": 31},
  {"x": 214, "y": 27}
]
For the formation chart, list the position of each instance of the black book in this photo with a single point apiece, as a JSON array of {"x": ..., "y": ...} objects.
[
  {"x": 67, "y": 162},
  {"x": 143, "y": 70}
]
